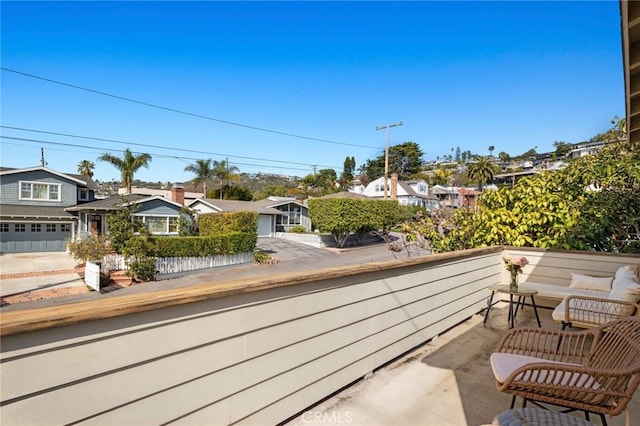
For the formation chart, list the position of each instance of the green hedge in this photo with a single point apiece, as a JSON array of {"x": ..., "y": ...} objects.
[
  {"x": 229, "y": 243},
  {"x": 342, "y": 216},
  {"x": 211, "y": 224}
]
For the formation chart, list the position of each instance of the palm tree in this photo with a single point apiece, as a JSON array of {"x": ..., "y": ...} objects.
[
  {"x": 203, "y": 171},
  {"x": 223, "y": 171},
  {"x": 481, "y": 171},
  {"x": 85, "y": 168},
  {"x": 127, "y": 165},
  {"x": 491, "y": 148}
]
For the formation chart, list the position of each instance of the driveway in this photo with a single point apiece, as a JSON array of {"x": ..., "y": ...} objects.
[
  {"x": 293, "y": 257},
  {"x": 23, "y": 272}
]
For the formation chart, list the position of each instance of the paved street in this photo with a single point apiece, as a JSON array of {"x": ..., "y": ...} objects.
[{"x": 294, "y": 257}]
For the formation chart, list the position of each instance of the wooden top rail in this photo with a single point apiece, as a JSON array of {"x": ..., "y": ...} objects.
[{"x": 27, "y": 320}]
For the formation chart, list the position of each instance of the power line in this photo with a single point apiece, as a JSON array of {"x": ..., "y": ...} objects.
[
  {"x": 156, "y": 146},
  {"x": 175, "y": 157},
  {"x": 177, "y": 111}
]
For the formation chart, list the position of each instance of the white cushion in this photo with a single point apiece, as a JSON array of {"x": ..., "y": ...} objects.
[
  {"x": 625, "y": 286},
  {"x": 561, "y": 291},
  {"x": 587, "y": 282},
  {"x": 503, "y": 364}
]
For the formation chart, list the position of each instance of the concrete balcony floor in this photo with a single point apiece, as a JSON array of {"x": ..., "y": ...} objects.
[{"x": 447, "y": 381}]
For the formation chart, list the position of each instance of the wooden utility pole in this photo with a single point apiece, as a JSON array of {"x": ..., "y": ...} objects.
[{"x": 386, "y": 154}]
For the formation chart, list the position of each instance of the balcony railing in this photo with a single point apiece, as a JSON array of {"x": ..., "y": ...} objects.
[{"x": 253, "y": 350}]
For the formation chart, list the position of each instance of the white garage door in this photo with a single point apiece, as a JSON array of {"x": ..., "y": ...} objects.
[{"x": 264, "y": 225}]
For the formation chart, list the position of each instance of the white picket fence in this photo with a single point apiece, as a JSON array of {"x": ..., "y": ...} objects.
[{"x": 172, "y": 265}]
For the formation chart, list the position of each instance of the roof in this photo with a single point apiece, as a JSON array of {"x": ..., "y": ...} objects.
[
  {"x": 111, "y": 203},
  {"x": 237, "y": 206},
  {"x": 15, "y": 211},
  {"x": 79, "y": 179},
  {"x": 159, "y": 192}
]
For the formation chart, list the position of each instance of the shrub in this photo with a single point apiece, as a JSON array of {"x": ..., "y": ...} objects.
[
  {"x": 297, "y": 230},
  {"x": 343, "y": 216},
  {"x": 143, "y": 269},
  {"x": 229, "y": 243},
  {"x": 220, "y": 223},
  {"x": 263, "y": 258},
  {"x": 92, "y": 248}
]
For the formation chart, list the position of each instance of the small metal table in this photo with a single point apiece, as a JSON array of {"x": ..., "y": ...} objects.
[{"x": 522, "y": 292}]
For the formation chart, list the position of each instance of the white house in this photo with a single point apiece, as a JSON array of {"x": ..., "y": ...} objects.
[{"x": 408, "y": 193}]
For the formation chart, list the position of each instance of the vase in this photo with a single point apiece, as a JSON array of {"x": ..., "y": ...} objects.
[{"x": 513, "y": 285}]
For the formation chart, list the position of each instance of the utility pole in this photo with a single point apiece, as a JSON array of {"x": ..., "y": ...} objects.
[{"x": 386, "y": 154}]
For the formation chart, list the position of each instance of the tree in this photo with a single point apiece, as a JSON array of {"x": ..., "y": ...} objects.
[
  {"x": 504, "y": 156},
  {"x": 593, "y": 204},
  {"x": 441, "y": 176},
  {"x": 127, "y": 165},
  {"x": 617, "y": 132},
  {"x": 491, "y": 148},
  {"x": 321, "y": 183},
  {"x": 203, "y": 171},
  {"x": 85, "y": 168},
  {"x": 348, "y": 169},
  {"x": 122, "y": 226},
  {"x": 241, "y": 193},
  {"x": 562, "y": 149},
  {"x": 482, "y": 171},
  {"x": 223, "y": 171},
  {"x": 404, "y": 159},
  {"x": 458, "y": 154}
]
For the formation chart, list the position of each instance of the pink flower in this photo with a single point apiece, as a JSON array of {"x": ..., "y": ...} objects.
[{"x": 515, "y": 263}]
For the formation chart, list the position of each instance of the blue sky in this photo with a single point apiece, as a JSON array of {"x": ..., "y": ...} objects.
[{"x": 252, "y": 76}]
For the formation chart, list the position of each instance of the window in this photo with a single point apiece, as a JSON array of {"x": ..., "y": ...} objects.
[
  {"x": 65, "y": 227},
  {"x": 39, "y": 191},
  {"x": 378, "y": 188},
  {"x": 20, "y": 227},
  {"x": 292, "y": 215},
  {"x": 51, "y": 227},
  {"x": 159, "y": 224},
  {"x": 422, "y": 188},
  {"x": 4, "y": 227},
  {"x": 83, "y": 194},
  {"x": 35, "y": 227}
]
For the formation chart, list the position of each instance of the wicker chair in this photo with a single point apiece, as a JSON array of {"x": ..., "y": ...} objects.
[{"x": 595, "y": 370}]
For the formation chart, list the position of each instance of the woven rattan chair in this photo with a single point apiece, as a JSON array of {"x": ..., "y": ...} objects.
[
  {"x": 595, "y": 370},
  {"x": 586, "y": 312}
]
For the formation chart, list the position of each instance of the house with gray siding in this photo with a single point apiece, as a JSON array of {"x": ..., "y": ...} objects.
[
  {"x": 159, "y": 215},
  {"x": 32, "y": 208}
]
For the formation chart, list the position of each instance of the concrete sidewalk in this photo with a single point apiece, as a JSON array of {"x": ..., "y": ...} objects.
[{"x": 24, "y": 272}]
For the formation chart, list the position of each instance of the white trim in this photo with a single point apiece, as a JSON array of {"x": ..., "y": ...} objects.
[
  {"x": 45, "y": 169},
  {"x": 32, "y": 183}
]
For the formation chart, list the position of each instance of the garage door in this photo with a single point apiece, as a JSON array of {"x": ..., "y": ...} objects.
[
  {"x": 264, "y": 225},
  {"x": 33, "y": 237}
]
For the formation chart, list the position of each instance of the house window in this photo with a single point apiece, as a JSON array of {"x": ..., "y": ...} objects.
[
  {"x": 20, "y": 227},
  {"x": 378, "y": 188},
  {"x": 65, "y": 227},
  {"x": 83, "y": 194},
  {"x": 4, "y": 227},
  {"x": 39, "y": 191},
  {"x": 159, "y": 224},
  {"x": 35, "y": 227},
  {"x": 292, "y": 215},
  {"x": 51, "y": 227},
  {"x": 422, "y": 188}
]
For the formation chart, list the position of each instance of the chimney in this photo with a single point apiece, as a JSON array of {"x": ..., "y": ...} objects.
[
  {"x": 177, "y": 193},
  {"x": 394, "y": 186}
]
